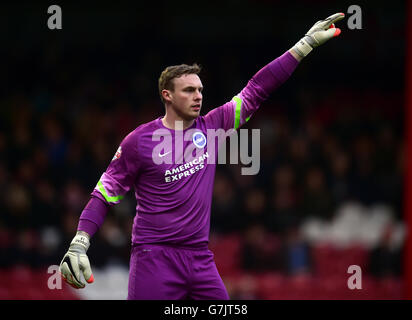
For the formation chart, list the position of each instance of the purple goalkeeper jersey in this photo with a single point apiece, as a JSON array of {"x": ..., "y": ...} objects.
[{"x": 174, "y": 197}]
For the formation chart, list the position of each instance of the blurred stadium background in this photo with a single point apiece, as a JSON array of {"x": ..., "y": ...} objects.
[{"x": 330, "y": 191}]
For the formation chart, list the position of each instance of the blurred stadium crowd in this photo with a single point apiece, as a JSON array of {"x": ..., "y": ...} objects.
[
  {"x": 310, "y": 168},
  {"x": 331, "y": 176}
]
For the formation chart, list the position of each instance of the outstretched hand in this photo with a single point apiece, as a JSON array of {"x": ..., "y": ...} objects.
[{"x": 322, "y": 31}]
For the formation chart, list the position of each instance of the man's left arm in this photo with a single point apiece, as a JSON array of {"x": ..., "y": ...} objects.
[{"x": 238, "y": 111}]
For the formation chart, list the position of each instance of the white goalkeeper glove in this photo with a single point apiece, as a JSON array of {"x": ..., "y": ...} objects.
[
  {"x": 76, "y": 261},
  {"x": 321, "y": 32}
]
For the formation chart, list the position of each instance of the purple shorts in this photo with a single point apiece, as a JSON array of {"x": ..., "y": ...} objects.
[{"x": 162, "y": 272}]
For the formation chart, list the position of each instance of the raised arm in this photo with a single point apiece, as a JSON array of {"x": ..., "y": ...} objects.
[{"x": 238, "y": 111}]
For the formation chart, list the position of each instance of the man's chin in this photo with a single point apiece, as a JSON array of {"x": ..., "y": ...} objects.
[
  {"x": 190, "y": 115},
  {"x": 193, "y": 115}
]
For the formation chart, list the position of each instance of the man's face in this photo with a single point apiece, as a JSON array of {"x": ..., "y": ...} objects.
[{"x": 186, "y": 98}]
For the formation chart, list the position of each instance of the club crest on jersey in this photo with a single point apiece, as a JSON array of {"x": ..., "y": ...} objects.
[
  {"x": 199, "y": 139},
  {"x": 117, "y": 154}
]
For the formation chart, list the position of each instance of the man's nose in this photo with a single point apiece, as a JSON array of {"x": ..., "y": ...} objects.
[{"x": 198, "y": 95}]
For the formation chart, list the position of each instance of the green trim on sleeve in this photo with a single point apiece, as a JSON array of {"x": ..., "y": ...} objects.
[
  {"x": 105, "y": 195},
  {"x": 237, "y": 111}
]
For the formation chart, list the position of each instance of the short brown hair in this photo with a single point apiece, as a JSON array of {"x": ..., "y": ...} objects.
[{"x": 171, "y": 72}]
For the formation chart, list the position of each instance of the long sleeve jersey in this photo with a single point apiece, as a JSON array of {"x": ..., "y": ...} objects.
[{"x": 174, "y": 197}]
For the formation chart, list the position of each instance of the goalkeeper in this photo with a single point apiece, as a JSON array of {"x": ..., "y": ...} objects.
[{"x": 170, "y": 258}]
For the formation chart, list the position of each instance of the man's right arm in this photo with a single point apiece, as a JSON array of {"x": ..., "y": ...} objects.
[
  {"x": 93, "y": 215},
  {"x": 114, "y": 183},
  {"x": 112, "y": 186}
]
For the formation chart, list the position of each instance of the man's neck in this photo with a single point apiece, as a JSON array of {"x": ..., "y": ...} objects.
[{"x": 169, "y": 121}]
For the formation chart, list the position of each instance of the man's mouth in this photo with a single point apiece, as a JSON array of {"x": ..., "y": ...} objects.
[{"x": 196, "y": 107}]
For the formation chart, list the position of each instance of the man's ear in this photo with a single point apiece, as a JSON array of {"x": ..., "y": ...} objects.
[{"x": 166, "y": 94}]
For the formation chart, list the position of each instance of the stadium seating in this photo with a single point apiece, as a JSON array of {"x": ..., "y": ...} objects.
[
  {"x": 327, "y": 281},
  {"x": 226, "y": 251},
  {"x": 23, "y": 283}
]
